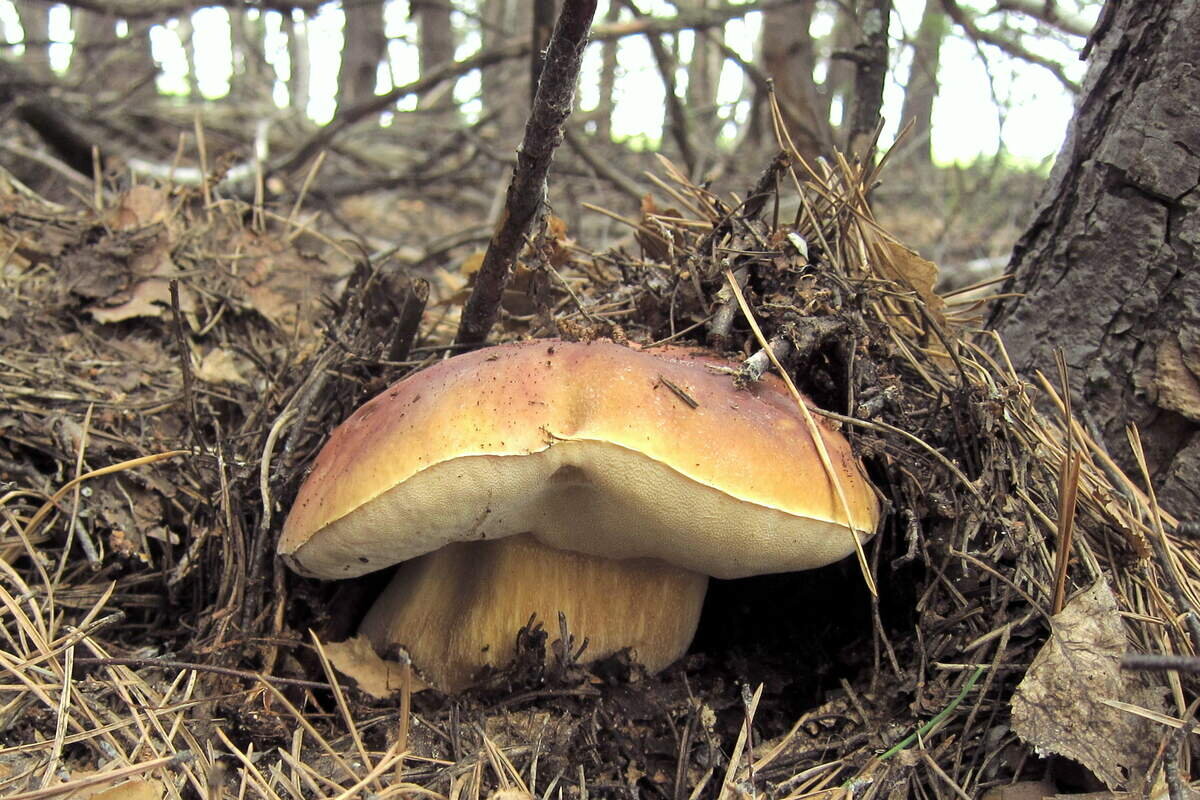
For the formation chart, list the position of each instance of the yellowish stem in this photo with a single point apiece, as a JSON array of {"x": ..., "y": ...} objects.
[{"x": 458, "y": 609}]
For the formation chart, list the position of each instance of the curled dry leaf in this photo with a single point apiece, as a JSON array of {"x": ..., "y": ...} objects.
[
  {"x": 919, "y": 273},
  {"x": 1058, "y": 709},
  {"x": 220, "y": 366},
  {"x": 357, "y": 660}
]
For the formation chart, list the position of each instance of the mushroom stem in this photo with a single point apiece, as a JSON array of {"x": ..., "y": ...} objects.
[{"x": 459, "y": 608}]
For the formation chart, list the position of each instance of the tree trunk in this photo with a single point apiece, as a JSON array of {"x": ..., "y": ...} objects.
[
  {"x": 1109, "y": 269},
  {"x": 34, "y": 17},
  {"x": 788, "y": 58},
  {"x": 923, "y": 83},
  {"x": 870, "y": 72},
  {"x": 505, "y": 88},
  {"x": 301, "y": 66},
  {"x": 704, "y": 76},
  {"x": 608, "y": 77},
  {"x": 839, "y": 80},
  {"x": 436, "y": 46},
  {"x": 252, "y": 78},
  {"x": 363, "y": 49}
]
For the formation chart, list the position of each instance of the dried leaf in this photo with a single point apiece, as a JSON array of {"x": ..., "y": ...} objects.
[
  {"x": 1021, "y": 790},
  {"x": 134, "y": 789},
  {"x": 1057, "y": 707},
  {"x": 919, "y": 273},
  {"x": 220, "y": 366},
  {"x": 1176, "y": 380},
  {"x": 148, "y": 298},
  {"x": 139, "y": 207},
  {"x": 357, "y": 660}
]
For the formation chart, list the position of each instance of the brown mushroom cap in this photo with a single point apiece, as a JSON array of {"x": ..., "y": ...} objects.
[{"x": 595, "y": 448}]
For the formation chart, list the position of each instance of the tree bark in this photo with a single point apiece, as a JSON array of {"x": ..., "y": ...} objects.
[
  {"x": 870, "y": 72},
  {"x": 1109, "y": 269},
  {"x": 923, "y": 82}
]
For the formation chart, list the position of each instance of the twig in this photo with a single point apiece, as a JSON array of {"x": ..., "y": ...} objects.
[
  {"x": 543, "y": 133},
  {"x": 162, "y": 663},
  {"x": 676, "y": 114},
  {"x": 603, "y": 169},
  {"x": 960, "y": 18},
  {"x": 408, "y": 319},
  {"x": 101, "y": 778},
  {"x": 1068, "y": 491},
  {"x": 1156, "y": 662},
  {"x": 814, "y": 432},
  {"x": 185, "y": 363},
  {"x": 933, "y": 723}
]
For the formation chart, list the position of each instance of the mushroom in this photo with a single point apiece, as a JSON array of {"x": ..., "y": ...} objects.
[{"x": 593, "y": 479}]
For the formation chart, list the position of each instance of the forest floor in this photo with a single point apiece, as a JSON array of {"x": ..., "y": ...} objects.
[{"x": 173, "y": 358}]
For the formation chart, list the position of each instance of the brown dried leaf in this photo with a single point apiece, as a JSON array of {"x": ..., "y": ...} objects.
[
  {"x": 147, "y": 299},
  {"x": 220, "y": 366},
  {"x": 357, "y": 660},
  {"x": 1057, "y": 707},
  {"x": 919, "y": 273},
  {"x": 1176, "y": 380},
  {"x": 139, "y": 207}
]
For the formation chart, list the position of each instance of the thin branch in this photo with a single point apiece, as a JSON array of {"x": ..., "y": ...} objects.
[
  {"x": 143, "y": 9},
  {"x": 375, "y": 105},
  {"x": 1047, "y": 14},
  {"x": 675, "y": 111},
  {"x": 543, "y": 133},
  {"x": 1014, "y": 49}
]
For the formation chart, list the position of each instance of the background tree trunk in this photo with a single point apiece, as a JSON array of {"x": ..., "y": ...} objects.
[
  {"x": 703, "y": 78},
  {"x": 1110, "y": 266},
  {"x": 839, "y": 80},
  {"x": 870, "y": 73},
  {"x": 505, "y": 85},
  {"x": 788, "y": 57},
  {"x": 34, "y": 16},
  {"x": 253, "y": 78},
  {"x": 608, "y": 78},
  {"x": 436, "y": 40},
  {"x": 363, "y": 49},
  {"x": 301, "y": 65},
  {"x": 922, "y": 82}
]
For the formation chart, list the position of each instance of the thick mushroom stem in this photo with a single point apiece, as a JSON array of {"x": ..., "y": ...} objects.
[{"x": 459, "y": 608}]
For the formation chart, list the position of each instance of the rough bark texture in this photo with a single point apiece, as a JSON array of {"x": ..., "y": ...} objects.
[
  {"x": 526, "y": 191},
  {"x": 1110, "y": 265},
  {"x": 870, "y": 73}
]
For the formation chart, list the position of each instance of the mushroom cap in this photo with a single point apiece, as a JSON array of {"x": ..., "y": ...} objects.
[{"x": 593, "y": 447}]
